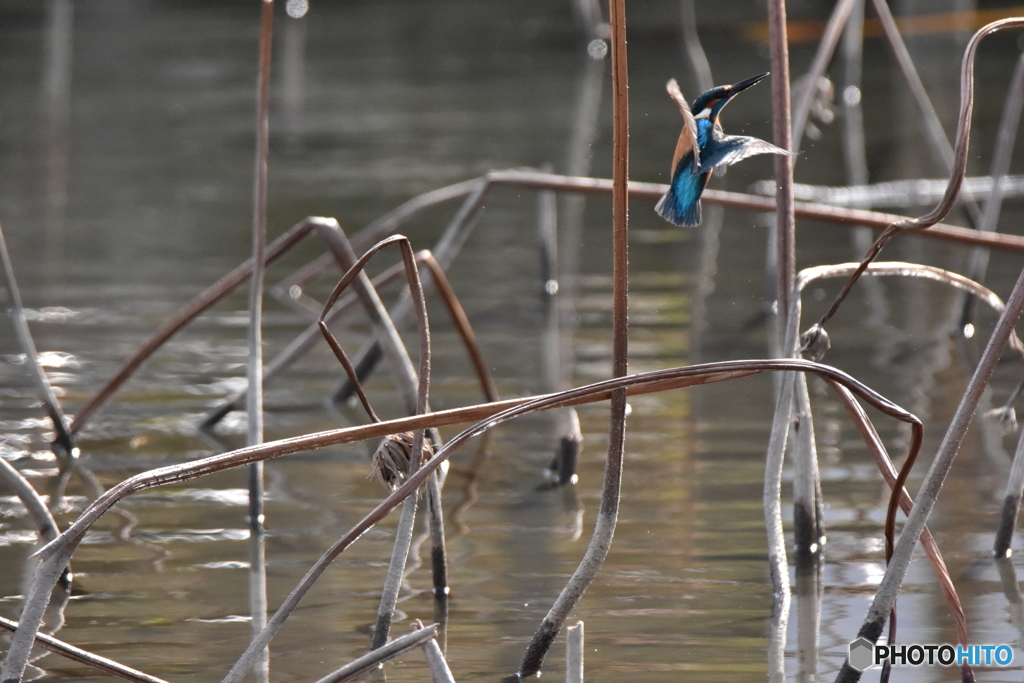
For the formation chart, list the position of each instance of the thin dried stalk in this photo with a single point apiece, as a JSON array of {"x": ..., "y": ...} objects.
[
  {"x": 439, "y": 671},
  {"x": 1003, "y": 152},
  {"x": 574, "y": 653},
  {"x": 37, "y": 510},
  {"x": 55, "y": 555},
  {"x": 916, "y": 270},
  {"x": 63, "y": 444},
  {"x": 808, "y": 507},
  {"x": 395, "y": 573},
  {"x": 458, "y": 316},
  {"x": 607, "y": 515},
  {"x": 934, "y": 133},
  {"x": 1011, "y": 503},
  {"x": 778, "y": 565},
  {"x": 47, "y": 573},
  {"x": 691, "y": 44},
  {"x": 254, "y": 364},
  {"x": 785, "y": 230},
  {"x": 737, "y": 200},
  {"x": 640, "y": 383},
  {"x": 389, "y": 336}
]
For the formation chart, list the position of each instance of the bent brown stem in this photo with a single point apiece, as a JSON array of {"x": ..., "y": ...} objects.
[
  {"x": 885, "y": 466},
  {"x": 956, "y": 176},
  {"x": 58, "y": 552},
  {"x": 389, "y": 338}
]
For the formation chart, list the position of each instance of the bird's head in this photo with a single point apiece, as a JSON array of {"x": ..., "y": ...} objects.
[{"x": 710, "y": 103}]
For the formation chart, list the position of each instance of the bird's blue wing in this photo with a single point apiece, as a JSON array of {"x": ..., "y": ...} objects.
[
  {"x": 681, "y": 204},
  {"x": 725, "y": 150}
]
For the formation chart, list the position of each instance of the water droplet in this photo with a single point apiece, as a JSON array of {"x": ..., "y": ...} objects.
[
  {"x": 851, "y": 96},
  {"x": 597, "y": 48},
  {"x": 551, "y": 287},
  {"x": 968, "y": 331},
  {"x": 297, "y": 8}
]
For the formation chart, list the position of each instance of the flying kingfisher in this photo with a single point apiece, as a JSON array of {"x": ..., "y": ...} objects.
[{"x": 702, "y": 146}]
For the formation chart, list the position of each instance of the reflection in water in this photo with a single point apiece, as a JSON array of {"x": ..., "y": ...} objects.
[
  {"x": 56, "y": 103},
  {"x": 293, "y": 74},
  {"x": 154, "y": 204}
]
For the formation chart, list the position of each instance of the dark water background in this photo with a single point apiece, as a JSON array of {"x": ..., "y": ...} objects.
[{"x": 125, "y": 189}]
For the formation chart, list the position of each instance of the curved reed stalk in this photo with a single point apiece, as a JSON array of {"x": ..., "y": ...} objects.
[
  {"x": 63, "y": 445},
  {"x": 388, "y": 337},
  {"x": 34, "y": 505},
  {"x": 1009, "y": 122},
  {"x": 931, "y": 548},
  {"x": 56, "y": 554},
  {"x": 309, "y": 337},
  {"x": 896, "y": 570},
  {"x": 478, "y": 188},
  {"x": 955, "y": 179}
]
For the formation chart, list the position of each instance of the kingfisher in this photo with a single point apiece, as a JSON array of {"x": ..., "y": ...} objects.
[{"x": 702, "y": 146}]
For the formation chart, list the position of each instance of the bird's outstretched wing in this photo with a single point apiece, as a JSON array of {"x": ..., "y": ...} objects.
[
  {"x": 688, "y": 136},
  {"x": 725, "y": 150}
]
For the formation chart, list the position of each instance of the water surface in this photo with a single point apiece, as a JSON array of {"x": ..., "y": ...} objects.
[{"x": 126, "y": 189}]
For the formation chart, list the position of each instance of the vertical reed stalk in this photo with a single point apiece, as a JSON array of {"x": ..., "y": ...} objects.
[
  {"x": 254, "y": 368},
  {"x": 785, "y": 237},
  {"x": 254, "y": 373},
  {"x": 1011, "y": 503},
  {"x": 807, "y": 525},
  {"x": 574, "y": 653},
  {"x": 608, "y": 512}
]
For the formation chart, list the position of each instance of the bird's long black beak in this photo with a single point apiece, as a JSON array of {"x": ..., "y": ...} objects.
[{"x": 743, "y": 85}]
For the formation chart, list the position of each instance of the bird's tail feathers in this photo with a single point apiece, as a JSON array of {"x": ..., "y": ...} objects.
[{"x": 668, "y": 207}]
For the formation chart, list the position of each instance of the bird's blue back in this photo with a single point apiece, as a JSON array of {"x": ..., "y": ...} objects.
[{"x": 681, "y": 205}]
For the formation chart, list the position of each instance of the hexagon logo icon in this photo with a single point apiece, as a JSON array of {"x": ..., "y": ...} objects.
[{"x": 861, "y": 654}]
